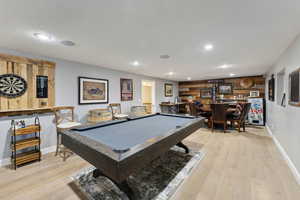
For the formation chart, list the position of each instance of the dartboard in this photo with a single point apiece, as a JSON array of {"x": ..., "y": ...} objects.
[{"x": 12, "y": 85}]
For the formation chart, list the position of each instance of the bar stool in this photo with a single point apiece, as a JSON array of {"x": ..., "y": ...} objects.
[{"x": 64, "y": 120}]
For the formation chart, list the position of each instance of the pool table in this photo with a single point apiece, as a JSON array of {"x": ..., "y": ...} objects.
[{"x": 119, "y": 148}]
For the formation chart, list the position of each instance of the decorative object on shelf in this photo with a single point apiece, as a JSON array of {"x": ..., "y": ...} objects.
[
  {"x": 126, "y": 89},
  {"x": 93, "y": 90},
  {"x": 225, "y": 88},
  {"x": 206, "y": 93},
  {"x": 271, "y": 85},
  {"x": 254, "y": 93},
  {"x": 168, "y": 90},
  {"x": 20, "y": 124},
  {"x": 41, "y": 86},
  {"x": 31, "y": 146},
  {"x": 294, "y": 88},
  {"x": 12, "y": 85},
  {"x": 246, "y": 83}
]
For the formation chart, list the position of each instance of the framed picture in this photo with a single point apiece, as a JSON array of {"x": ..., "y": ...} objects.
[
  {"x": 294, "y": 88},
  {"x": 254, "y": 93},
  {"x": 225, "y": 88},
  {"x": 92, "y": 90},
  {"x": 206, "y": 93},
  {"x": 168, "y": 90},
  {"x": 126, "y": 89},
  {"x": 271, "y": 85}
]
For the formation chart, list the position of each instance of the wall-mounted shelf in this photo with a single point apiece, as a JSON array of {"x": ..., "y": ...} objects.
[
  {"x": 32, "y": 111},
  {"x": 8, "y": 113}
]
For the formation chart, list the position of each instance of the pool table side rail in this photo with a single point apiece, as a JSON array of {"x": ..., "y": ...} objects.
[{"x": 91, "y": 155}]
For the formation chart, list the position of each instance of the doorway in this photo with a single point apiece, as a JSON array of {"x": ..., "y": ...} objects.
[{"x": 148, "y": 95}]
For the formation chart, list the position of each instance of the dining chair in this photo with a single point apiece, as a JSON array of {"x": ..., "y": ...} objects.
[
  {"x": 240, "y": 119},
  {"x": 64, "y": 120},
  {"x": 193, "y": 111},
  {"x": 116, "y": 111},
  {"x": 219, "y": 115}
]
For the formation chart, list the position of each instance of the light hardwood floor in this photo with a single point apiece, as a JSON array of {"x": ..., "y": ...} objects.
[{"x": 237, "y": 166}]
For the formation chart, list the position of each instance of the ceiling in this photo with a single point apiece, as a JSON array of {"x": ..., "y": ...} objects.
[{"x": 248, "y": 35}]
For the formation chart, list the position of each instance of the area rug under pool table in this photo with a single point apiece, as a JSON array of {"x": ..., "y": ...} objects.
[{"x": 158, "y": 181}]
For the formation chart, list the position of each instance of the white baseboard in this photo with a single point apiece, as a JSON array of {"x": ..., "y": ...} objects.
[
  {"x": 48, "y": 150},
  {"x": 290, "y": 163},
  {"x": 6, "y": 161}
]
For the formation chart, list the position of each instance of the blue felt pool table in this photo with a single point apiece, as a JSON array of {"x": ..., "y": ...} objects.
[{"x": 119, "y": 148}]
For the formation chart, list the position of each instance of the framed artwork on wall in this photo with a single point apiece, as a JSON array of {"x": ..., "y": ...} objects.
[
  {"x": 294, "y": 88},
  {"x": 206, "y": 93},
  {"x": 254, "y": 93},
  {"x": 225, "y": 88},
  {"x": 92, "y": 90},
  {"x": 271, "y": 86},
  {"x": 126, "y": 89},
  {"x": 168, "y": 90}
]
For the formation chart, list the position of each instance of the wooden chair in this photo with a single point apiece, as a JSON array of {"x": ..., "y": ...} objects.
[
  {"x": 193, "y": 109},
  {"x": 64, "y": 119},
  {"x": 219, "y": 115},
  {"x": 240, "y": 119},
  {"x": 116, "y": 111},
  {"x": 148, "y": 107}
]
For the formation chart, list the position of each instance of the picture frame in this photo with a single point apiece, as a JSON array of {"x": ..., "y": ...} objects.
[
  {"x": 294, "y": 88},
  {"x": 225, "y": 88},
  {"x": 126, "y": 89},
  {"x": 271, "y": 88},
  {"x": 206, "y": 93},
  {"x": 93, "y": 91},
  {"x": 254, "y": 93},
  {"x": 168, "y": 90}
]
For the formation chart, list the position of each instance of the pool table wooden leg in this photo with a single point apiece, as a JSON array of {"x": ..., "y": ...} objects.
[
  {"x": 123, "y": 186},
  {"x": 180, "y": 144}
]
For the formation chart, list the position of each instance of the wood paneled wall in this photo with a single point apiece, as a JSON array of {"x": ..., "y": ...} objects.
[
  {"x": 192, "y": 88},
  {"x": 28, "y": 69}
]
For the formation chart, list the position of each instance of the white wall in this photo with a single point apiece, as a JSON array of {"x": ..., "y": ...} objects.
[
  {"x": 66, "y": 89},
  {"x": 284, "y": 122}
]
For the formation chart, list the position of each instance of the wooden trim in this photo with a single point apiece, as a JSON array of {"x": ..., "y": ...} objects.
[
  {"x": 222, "y": 78},
  {"x": 8, "y": 113},
  {"x": 19, "y": 59}
]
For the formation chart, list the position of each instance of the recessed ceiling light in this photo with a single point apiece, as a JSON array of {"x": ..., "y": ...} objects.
[
  {"x": 224, "y": 66},
  {"x": 171, "y": 73},
  {"x": 43, "y": 37},
  {"x": 135, "y": 63},
  {"x": 189, "y": 78},
  {"x": 67, "y": 43},
  {"x": 165, "y": 56},
  {"x": 231, "y": 74},
  {"x": 208, "y": 47}
]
